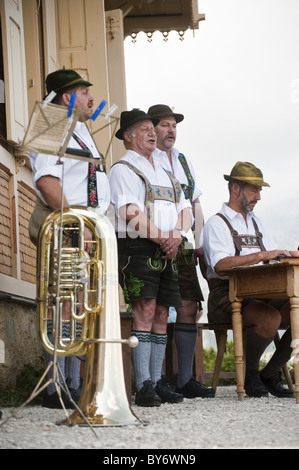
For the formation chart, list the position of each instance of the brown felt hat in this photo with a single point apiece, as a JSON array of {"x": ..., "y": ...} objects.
[
  {"x": 162, "y": 110},
  {"x": 247, "y": 173}
]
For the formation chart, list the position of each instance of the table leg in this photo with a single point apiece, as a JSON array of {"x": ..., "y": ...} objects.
[
  {"x": 238, "y": 347},
  {"x": 294, "y": 303}
]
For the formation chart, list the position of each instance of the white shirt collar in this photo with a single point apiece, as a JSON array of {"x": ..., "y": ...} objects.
[{"x": 231, "y": 213}]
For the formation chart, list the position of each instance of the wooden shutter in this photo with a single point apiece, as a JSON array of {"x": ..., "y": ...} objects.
[
  {"x": 50, "y": 41},
  {"x": 14, "y": 69}
]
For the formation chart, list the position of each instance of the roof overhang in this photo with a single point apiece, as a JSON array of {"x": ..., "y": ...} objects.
[{"x": 157, "y": 15}]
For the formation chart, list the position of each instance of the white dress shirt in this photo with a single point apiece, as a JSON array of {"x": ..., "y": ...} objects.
[
  {"x": 75, "y": 172},
  {"x": 128, "y": 188},
  {"x": 217, "y": 241}
]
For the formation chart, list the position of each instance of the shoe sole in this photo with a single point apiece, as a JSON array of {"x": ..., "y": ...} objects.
[
  {"x": 156, "y": 403},
  {"x": 281, "y": 395},
  {"x": 189, "y": 395},
  {"x": 199, "y": 396},
  {"x": 176, "y": 400}
]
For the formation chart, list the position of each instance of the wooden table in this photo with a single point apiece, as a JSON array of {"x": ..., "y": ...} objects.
[{"x": 279, "y": 280}]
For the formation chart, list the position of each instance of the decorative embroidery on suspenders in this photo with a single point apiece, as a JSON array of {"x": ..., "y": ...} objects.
[
  {"x": 154, "y": 192},
  {"x": 245, "y": 241},
  {"x": 92, "y": 190},
  {"x": 188, "y": 190}
]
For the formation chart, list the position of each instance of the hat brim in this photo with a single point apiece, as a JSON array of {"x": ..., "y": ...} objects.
[
  {"x": 177, "y": 117},
  {"x": 254, "y": 182},
  {"x": 119, "y": 133},
  {"x": 72, "y": 84}
]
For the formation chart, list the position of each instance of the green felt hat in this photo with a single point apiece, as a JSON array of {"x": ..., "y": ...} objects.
[
  {"x": 63, "y": 79},
  {"x": 247, "y": 173}
]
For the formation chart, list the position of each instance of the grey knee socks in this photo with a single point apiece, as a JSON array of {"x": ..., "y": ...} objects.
[{"x": 185, "y": 341}]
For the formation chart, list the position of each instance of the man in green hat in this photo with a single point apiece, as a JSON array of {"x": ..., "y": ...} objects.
[
  {"x": 85, "y": 184},
  {"x": 237, "y": 237}
]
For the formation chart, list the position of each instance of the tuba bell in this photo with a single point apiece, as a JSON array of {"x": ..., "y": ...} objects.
[{"x": 77, "y": 287}]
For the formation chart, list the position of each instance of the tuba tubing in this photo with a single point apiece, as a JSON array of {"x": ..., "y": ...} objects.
[{"x": 103, "y": 400}]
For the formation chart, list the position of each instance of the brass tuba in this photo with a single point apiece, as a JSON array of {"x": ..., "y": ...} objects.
[{"x": 77, "y": 286}]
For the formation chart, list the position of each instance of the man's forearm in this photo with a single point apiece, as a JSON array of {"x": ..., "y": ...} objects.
[
  {"x": 51, "y": 191},
  {"x": 198, "y": 221}
]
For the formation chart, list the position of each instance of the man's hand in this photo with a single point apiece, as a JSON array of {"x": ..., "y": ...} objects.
[{"x": 170, "y": 243}]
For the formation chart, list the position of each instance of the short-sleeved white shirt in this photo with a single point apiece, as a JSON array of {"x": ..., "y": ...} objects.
[
  {"x": 128, "y": 188},
  {"x": 217, "y": 241},
  {"x": 75, "y": 172}
]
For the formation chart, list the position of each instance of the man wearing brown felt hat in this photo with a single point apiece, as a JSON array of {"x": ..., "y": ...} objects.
[
  {"x": 233, "y": 237},
  {"x": 185, "y": 327}
]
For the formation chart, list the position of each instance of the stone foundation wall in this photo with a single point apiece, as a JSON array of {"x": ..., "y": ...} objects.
[{"x": 19, "y": 341}]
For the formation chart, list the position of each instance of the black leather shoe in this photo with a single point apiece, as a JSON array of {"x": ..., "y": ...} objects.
[
  {"x": 275, "y": 387},
  {"x": 253, "y": 385},
  {"x": 52, "y": 401},
  {"x": 166, "y": 393},
  {"x": 147, "y": 395},
  {"x": 194, "y": 389}
]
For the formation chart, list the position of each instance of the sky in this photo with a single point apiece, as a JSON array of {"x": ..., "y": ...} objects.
[{"x": 236, "y": 80}]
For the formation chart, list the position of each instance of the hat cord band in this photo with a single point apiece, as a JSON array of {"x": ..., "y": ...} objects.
[
  {"x": 71, "y": 83},
  {"x": 247, "y": 178}
]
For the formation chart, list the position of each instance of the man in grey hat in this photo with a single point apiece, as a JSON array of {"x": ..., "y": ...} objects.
[
  {"x": 85, "y": 184},
  {"x": 190, "y": 291},
  {"x": 249, "y": 244},
  {"x": 150, "y": 212}
]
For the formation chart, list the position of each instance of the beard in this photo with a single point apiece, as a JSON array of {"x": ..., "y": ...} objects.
[
  {"x": 244, "y": 203},
  {"x": 168, "y": 141}
]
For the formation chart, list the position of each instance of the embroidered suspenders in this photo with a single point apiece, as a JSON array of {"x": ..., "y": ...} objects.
[
  {"x": 154, "y": 192},
  {"x": 245, "y": 241},
  {"x": 188, "y": 189},
  {"x": 92, "y": 192}
]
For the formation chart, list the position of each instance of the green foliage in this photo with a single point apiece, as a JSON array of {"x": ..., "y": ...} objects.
[
  {"x": 228, "y": 363},
  {"x": 25, "y": 384}
]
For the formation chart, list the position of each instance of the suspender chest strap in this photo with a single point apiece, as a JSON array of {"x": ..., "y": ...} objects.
[
  {"x": 154, "y": 192},
  {"x": 98, "y": 164},
  {"x": 188, "y": 189},
  {"x": 245, "y": 241}
]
